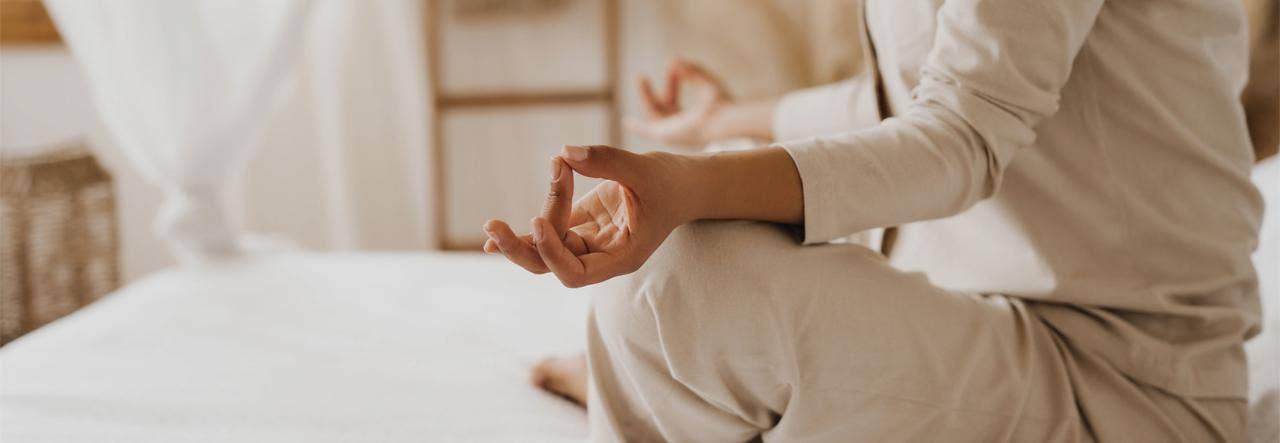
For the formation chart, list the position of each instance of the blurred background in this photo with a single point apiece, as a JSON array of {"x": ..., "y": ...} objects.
[
  {"x": 398, "y": 124},
  {"x": 351, "y": 158},
  {"x": 140, "y": 134}
]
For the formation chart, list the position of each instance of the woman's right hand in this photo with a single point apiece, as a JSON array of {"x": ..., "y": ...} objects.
[
  {"x": 613, "y": 229},
  {"x": 616, "y": 227},
  {"x": 668, "y": 121}
]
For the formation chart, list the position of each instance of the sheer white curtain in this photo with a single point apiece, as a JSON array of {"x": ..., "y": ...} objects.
[
  {"x": 184, "y": 88},
  {"x": 364, "y": 87},
  {"x": 344, "y": 165}
]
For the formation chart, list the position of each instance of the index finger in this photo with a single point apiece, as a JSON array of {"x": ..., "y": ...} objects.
[
  {"x": 574, "y": 271},
  {"x": 517, "y": 249}
]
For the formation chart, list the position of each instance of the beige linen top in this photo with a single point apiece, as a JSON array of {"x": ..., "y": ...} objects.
[{"x": 1091, "y": 155}]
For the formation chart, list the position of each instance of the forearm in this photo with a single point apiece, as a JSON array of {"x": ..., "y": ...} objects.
[
  {"x": 752, "y": 119},
  {"x": 925, "y": 164},
  {"x": 761, "y": 184}
]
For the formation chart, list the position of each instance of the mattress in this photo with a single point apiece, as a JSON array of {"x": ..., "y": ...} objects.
[
  {"x": 358, "y": 347},
  {"x": 299, "y": 347}
]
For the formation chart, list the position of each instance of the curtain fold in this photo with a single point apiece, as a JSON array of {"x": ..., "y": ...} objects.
[
  {"x": 184, "y": 88},
  {"x": 366, "y": 81}
]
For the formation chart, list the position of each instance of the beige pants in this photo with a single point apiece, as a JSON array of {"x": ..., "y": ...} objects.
[{"x": 732, "y": 331}]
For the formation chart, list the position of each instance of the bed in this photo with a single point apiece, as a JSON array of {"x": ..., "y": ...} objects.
[
  {"x": 301, "y": 347},
  {"x": 354, "y": 347}
]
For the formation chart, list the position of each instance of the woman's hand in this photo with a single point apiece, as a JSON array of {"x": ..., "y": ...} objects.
[
  {"x": 616, "y": 227},
  {"x": 692, "y": 125},
  {"x": 612, "y": 230}
]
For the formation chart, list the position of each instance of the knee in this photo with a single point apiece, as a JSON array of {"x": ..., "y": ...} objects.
[
  {"x": 695, "y": 268},
  {"x": 700, "y": 253},
  {"x": 710, "y": 251}
]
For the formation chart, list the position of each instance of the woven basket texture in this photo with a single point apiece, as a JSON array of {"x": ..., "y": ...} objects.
[{"x": 59, "y": 244}]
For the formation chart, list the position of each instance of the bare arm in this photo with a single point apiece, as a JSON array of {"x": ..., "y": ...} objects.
[
  {"x": 974, "y": 109},
  {"x": 761, "y": 184}
]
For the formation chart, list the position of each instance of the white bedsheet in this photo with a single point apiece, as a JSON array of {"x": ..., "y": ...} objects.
[
  {"x": 1264, "y": 350},
  {"x": 408, "y": 347},
  {"x": 411, "y": 347}
]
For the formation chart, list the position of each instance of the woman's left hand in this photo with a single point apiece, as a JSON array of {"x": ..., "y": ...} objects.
[
  {"x": 688, "y": 125},
  {"x": 612, "y": 230}
]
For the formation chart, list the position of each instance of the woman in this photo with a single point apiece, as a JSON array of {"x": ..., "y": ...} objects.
[{"x": 1075, "y": 220}]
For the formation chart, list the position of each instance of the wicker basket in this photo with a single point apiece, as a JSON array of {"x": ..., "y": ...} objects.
[{"x": 58, "y": 238}]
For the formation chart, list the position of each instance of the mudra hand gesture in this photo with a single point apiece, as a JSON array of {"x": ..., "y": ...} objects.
[
  {"x": 610, "y": 231},
  {"x": 690, "y": 125}
]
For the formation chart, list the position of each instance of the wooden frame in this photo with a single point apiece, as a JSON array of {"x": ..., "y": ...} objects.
[
  {"x": 443, "y": 102},
  {"x": 26, "y": 22}
]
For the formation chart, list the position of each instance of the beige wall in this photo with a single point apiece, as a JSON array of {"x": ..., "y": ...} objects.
[
  {"x": 765, "y": 47},
  {"x": 364, "y": 187}
]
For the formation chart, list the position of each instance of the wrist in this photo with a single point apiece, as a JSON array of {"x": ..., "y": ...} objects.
[
  {"x": 700, "y": 180},
  {"x": 685, "y": 185},
  {"x": 759, "y": 184}
]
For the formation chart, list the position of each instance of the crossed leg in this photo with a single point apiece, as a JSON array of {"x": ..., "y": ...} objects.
[{"x": 732, "y": 331}]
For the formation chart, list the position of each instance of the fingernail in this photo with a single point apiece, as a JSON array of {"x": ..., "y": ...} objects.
[
  {"x": 556, "y": 169},
  {"x": 537, "y": 230},
  {"x": 576, "y": 153}
]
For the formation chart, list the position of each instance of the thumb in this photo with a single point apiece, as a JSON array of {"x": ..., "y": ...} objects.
[
  {"x": 605, "y": 162},
  {"x": 559, "y": 203}
]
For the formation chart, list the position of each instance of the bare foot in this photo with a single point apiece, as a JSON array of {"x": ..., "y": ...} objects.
[{"x": 563, "y": 376}]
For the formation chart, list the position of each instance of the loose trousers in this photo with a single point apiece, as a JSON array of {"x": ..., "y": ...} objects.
[{"x": 732, "y": 332}]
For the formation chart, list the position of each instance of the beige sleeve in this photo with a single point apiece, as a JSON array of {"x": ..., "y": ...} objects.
[
  {"x": 984, "y": 86},
  {"x": 827, "y": 109}
]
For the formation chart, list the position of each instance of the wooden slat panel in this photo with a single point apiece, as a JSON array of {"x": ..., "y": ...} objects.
[
  {"x": 496, "y": 162},
  {"x": 25, "y": 22},
  {"x": 533, "y": 83},
  {"x": 560, "y": 47},
  {"x": 518, "y": 98}
]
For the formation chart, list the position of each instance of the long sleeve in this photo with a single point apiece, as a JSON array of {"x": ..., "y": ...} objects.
[
  {"x": 994, "y": 72},
  {"x": 827, "y": 109}
]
